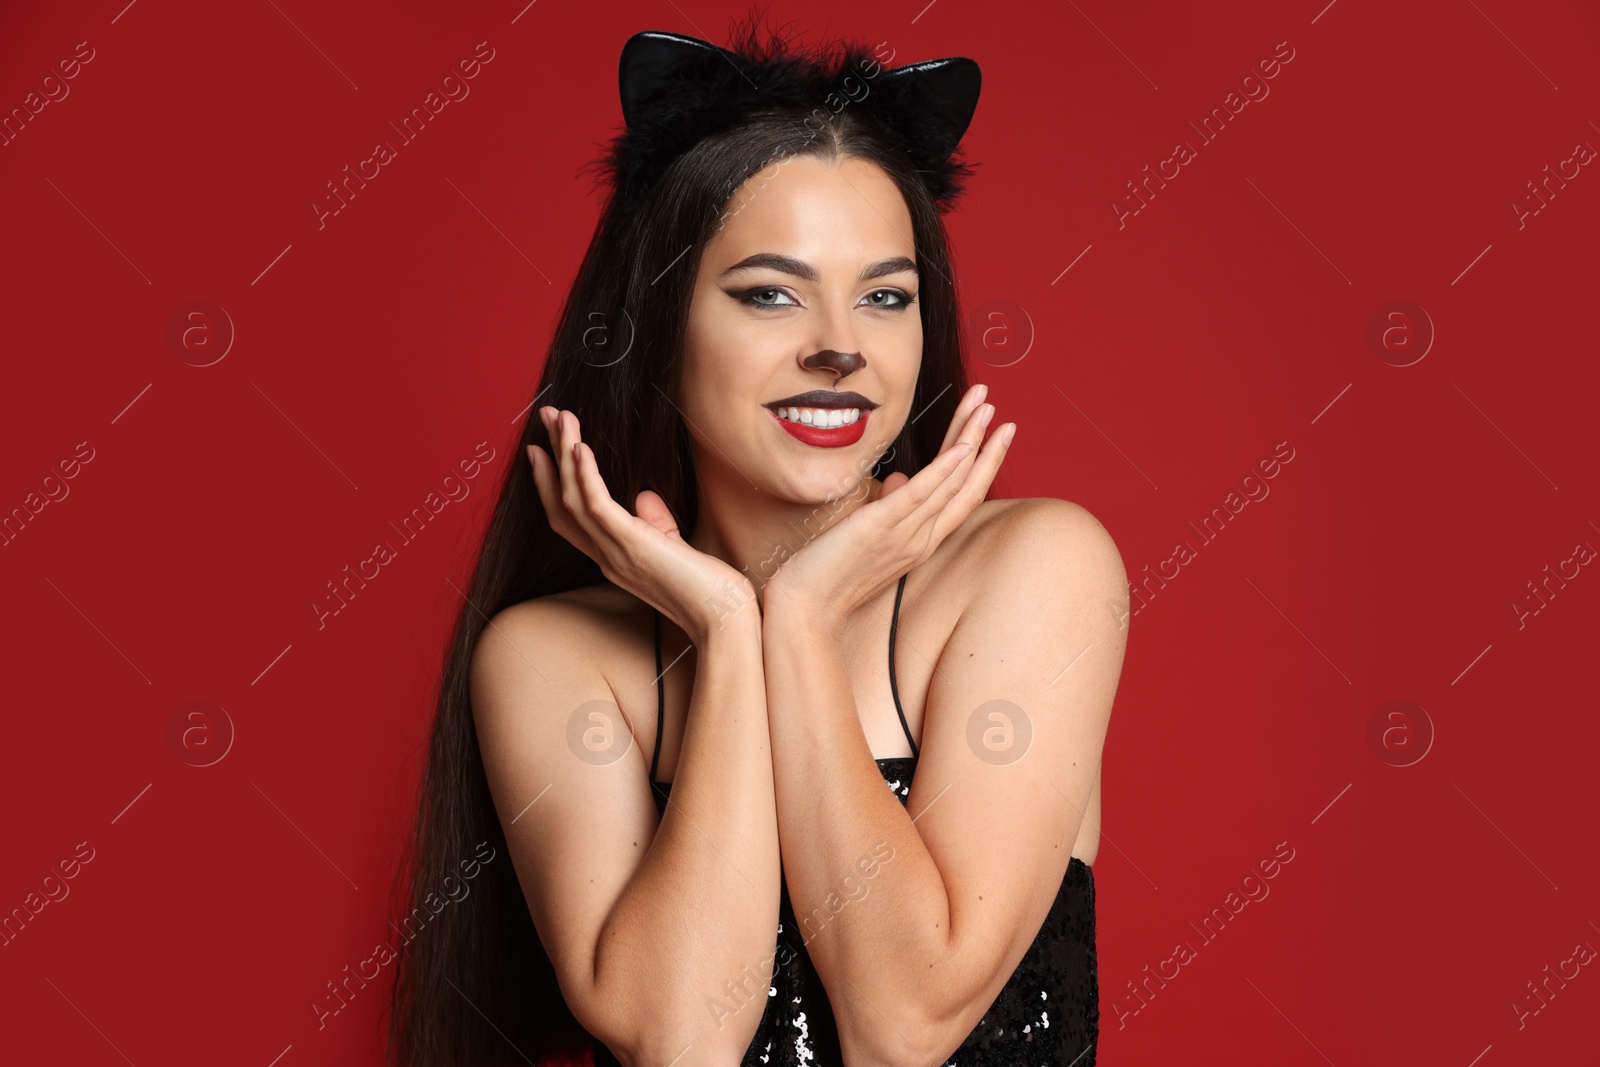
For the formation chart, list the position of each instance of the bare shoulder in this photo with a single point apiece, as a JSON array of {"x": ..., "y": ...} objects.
[
  {"x": 1041, "y": 537},
  {"x": 570, "y": 787},
  {"x": 582, "y": 632},
  {"x": 578, "y": 611}
]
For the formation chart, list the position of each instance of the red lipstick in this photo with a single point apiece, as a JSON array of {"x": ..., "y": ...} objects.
[{"x": 823, "y": 436}]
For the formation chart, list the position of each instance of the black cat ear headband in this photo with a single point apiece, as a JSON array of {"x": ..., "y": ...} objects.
[{"x": 678, "y": 90}]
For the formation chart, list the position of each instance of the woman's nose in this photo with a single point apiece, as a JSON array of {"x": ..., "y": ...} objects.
[
  {"x": 833, "y": 332},
  {"x": 843, "y": 364}
]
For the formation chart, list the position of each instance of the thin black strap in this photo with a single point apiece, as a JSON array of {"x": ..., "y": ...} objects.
[
  {"x": 894, "y": 687},
  {"x": 661, "y": 701}
]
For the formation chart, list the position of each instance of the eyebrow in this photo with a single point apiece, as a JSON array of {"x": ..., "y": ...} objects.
[{"x": 801, "y": 269}]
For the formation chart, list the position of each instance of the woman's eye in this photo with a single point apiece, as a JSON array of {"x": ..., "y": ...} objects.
[
  {"x": 758, "y": 297},
  {"x": 771, "y": 296},
  {"x": 899, "y": 302}
]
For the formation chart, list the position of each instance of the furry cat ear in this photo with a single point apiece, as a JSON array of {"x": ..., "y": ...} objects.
[
  {"x": 946, "y": 91},
  {"x": 677, "y": 90},
  {"x": 646, "y": 59}
]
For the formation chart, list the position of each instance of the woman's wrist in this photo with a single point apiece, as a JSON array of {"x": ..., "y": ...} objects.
[
  {"x": 736, "y": 616},
  {"x": 783, "y": 612}
]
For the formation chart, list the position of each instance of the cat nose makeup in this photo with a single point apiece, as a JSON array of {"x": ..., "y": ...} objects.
[{"x": 843, "y": 364}]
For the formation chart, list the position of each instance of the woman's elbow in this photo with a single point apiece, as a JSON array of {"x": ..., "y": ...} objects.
[
  {"x": 658, "y": 1028},
  {"x": 908, "y": 1038}
]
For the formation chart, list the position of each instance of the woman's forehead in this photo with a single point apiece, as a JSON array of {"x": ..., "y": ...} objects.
[{"x": 817, "y": 210}]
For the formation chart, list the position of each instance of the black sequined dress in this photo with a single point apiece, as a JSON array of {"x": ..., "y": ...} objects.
[{"x": 1046, "y": 1015}]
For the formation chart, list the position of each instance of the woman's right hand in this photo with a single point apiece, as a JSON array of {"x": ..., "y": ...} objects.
[{"x": 644, "y": 553}]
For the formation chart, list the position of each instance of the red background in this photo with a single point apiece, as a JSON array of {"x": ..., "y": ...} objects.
[{"x": 1230, "y": 314}]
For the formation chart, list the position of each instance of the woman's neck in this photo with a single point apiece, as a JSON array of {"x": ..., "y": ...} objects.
[{"x": 754, "y": 533}]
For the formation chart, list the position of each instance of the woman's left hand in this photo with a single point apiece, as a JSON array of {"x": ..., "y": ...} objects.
[{"x": 852, "y": 561}]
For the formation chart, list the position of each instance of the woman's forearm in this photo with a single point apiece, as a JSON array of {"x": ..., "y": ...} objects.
[
  {"x": 835, "y": 811},
  {"x": 687, "y": 952}
]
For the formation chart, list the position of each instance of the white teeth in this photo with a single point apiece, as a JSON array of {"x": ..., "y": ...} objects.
[{"x": 824, "y": 417}]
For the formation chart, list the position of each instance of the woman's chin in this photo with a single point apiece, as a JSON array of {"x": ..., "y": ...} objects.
[{"x": 829, "y": 485}]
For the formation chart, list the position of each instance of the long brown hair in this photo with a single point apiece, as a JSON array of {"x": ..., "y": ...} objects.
[{"x": 474, "y": 985}]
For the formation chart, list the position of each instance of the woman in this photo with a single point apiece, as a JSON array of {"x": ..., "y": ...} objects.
[{"x": 677, "y": 720}]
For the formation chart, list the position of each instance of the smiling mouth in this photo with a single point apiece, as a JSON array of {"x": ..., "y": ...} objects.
[
  {"x": 821, "y": 418},
  {"x": 824, "y": 400},
  {"x": 830, "y": 428}
]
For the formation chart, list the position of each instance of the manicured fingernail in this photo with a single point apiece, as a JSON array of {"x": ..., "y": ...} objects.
[
  {"x": 1007, "y": 434},
  {"x": 983, "y": 391},
  {"x": 985, "y": 413}
]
